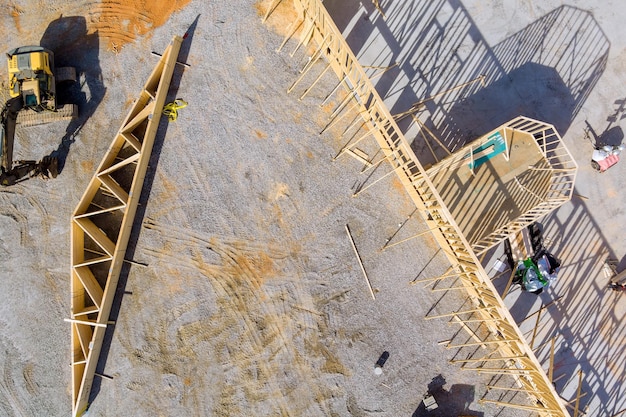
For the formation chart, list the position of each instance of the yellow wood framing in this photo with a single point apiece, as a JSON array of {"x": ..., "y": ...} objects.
[
  {"x": 102, "y": 222},
  {"x": 519, "y": 361},
  {"x": 560, "y": 164}
]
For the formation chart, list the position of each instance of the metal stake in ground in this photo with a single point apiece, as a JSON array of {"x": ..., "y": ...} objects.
[{"x": 358, "y": 257}]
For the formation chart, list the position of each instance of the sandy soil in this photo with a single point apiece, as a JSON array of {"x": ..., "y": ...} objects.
[{"x": 251, "y": 300}]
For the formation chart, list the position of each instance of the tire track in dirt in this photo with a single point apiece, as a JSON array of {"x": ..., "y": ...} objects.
[
  {"x": 9, "y": 387},
  {"x": 16, "y": 205},
  {"x": 121, "y": 22},
  {"x": 159, "y": 351},
  {"x": 118, "y": 21},
  {"x": 10, "y": 211},
  {"x": 258, "y": 319},
  {"x": 31, "y": 385}
]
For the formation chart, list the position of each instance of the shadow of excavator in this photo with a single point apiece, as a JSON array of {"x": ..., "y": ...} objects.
[{"x": 74, "y": 46}]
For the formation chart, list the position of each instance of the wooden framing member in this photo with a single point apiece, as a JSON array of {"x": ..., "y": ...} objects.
[
  {"x": 309, "y": 64},
  {"x": 536, "y": 408},
  {"x": 415, "y": 107},
  {"x": 358, "y": 257},
  {"x": 380, "y": 10},
  {"x": 360, "y": 190},
  {"x": 291, "y": 33},
  {"x": 418, "y": 182},
  {"x": 271, "y": 8},
  {"x": 490, "y": 387},
  {"x": 469, "y": 331},
  {"x": 578, "y": 390},
  {"x": 389, "y": 245},
  {"x": 107, "y": 224}
]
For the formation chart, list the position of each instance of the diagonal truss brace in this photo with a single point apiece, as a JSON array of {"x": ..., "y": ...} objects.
[{"x": 102, "y": 222}]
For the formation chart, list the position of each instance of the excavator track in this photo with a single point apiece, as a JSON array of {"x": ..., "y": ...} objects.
[
  {"x": 27, "y": 117},
  {"x": 65, "y": 74}
]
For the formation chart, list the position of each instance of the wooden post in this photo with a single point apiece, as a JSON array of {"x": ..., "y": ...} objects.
[
  {"x": 580, "y": 385},
  {"x": 425, "y": 232},
  {"x": 485, "y": 342},
  {"x": 431, "y": 134},
  {"x": 319, "y": 77},
  {"x": 343, "y": 150},
  {"x": 484, "y": 359},
  {"x": 468, "y": 330},
  {"x": 296, "y": 27},
  {"x": 358, "y": 257},
  {"x": 312, "y": 60},
  {"x": 458, "y": 312},
  {"x": 537, "y": 408},
  {"x": 532, "y": 340},
  {"x": 271, "y": 9},
  {"x": 378, "y": 179},
  {"x": 542, "y": 308},
  {"x": 86, "y": 322},
  {"x": 551, "y": 365},
  {"x": 489, "y": 387}
]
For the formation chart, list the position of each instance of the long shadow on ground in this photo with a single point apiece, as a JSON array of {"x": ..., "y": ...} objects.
[
  {"x": 143, "y": 202},
  {"x": 73, "y": 46},
  {"x": 546, "y": 71}
]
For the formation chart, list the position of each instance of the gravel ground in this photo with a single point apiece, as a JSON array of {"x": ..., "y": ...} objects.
[{"x": 252, "y": 301}]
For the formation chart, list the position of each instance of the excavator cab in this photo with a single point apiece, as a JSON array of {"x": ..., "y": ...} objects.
[{"x": 31, "y": 76}]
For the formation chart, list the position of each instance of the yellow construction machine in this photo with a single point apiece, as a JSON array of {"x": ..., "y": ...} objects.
[{"x": 33, "y": 81}]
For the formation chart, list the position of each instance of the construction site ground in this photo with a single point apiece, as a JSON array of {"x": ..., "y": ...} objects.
[{"x": 244, "y": 295}]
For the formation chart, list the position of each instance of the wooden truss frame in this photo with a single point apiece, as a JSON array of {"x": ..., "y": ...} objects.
[
  {"x": 560, "y": 163},
  {"x": 102, "y": 222},
  {"x": 513, "y": 356}
]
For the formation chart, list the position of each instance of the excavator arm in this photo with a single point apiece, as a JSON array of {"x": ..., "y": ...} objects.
[{"x": 11, "y": 174}]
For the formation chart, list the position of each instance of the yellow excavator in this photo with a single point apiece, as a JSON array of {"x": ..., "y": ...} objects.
[{"x": 33, "y": 81}]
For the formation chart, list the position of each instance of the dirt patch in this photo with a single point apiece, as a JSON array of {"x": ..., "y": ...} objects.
[
  {"x": 16, "y": 12},
  {"x": 282, "y": 18},
  {"x": 121, "y": 22},
  {"x": 87, "y": 166}
]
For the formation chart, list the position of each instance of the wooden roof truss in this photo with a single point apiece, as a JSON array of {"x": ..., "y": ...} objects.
[{"x": 102, "y": 222}]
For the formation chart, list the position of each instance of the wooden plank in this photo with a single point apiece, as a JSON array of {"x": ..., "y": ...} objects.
[
  {"x": 102, "y": 211},
  {"x": 358, "y": 257},
  {"x": 359, "y": 155},
  {"x": 96, "y": 234},
  {"x": 93, "y": 261},
  {"x": 468, "y": 330},
  {"x": 141, "y": 117},
  {"x": 131, "y": 159},
  {"x": 84, "y": 337},
  {"x": 132, "y": 140},
  {"x": 86, "y": 323},
  {"x": 85, "y": 311},
  {"x": 580, "y": 386},
  {"x": 90, "y": 283},
  {"x": 114, "y": 187}
]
